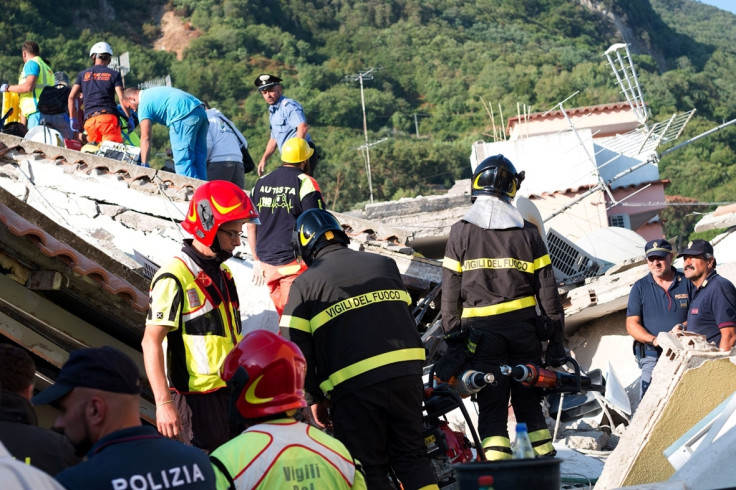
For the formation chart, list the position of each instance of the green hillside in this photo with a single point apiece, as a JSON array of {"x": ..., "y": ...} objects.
[{"x": 435, "y": 60}]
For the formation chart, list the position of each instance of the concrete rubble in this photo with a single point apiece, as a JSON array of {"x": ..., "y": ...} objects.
[
  {"x": 690, "y": 380},
  {"x": 124, "y": 210}
]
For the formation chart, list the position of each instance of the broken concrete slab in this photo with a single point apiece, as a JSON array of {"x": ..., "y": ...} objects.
[
  {"x": 576, "y": 467},
  {"x": 658, "y": 486},
  {"x": 690, "y": 379}
]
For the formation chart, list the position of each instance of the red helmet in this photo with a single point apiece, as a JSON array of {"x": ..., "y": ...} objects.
[
  {"x": 214, "y": 204},
  {"x": 266, "y": 373}
]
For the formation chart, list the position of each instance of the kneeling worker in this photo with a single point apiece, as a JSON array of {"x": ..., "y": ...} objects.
[{"x": 266, "y": 374}]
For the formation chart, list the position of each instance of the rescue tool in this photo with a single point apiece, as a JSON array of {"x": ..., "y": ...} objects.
[{"x": 552, "y": 381}]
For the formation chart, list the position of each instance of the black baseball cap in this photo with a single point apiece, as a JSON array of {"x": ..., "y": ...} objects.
[
  {"x": 103, "y": 368},
  {"x": 265, "y": 80},
  {"x": 657, "y": 248},
  {"x": 697, "y": 247}
]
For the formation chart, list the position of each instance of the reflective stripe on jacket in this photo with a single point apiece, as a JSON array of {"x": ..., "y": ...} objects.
[
  {"x": 285, "y": 453},
  {"x": 204, "y": 321},
  {"x": 496, "y": 274},
  {"x": 349, "y": 314}
]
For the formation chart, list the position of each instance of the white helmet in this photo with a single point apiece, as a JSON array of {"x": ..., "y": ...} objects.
[{"x": 101, "y": 48}]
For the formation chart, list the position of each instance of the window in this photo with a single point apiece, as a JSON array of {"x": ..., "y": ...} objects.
[{"x": 619, "y": 220}]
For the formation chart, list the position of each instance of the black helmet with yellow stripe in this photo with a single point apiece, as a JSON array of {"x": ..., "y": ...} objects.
[
  {"x": 496, "y": 176},
  {"x": 315, "y": 229}
]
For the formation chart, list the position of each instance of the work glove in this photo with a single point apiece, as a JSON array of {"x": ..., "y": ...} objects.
[
  {"x": 74, "y": 125},
  {"x": 4, "y": 87},
  {"x": 131, "y": 124},
  {"x": 545, "y": 327},
  {"x": 556, "y": 355},
  {"x": 461, "y": 346}
]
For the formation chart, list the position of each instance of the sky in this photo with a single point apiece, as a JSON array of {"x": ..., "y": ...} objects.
[{"x": 729, "y": 5}]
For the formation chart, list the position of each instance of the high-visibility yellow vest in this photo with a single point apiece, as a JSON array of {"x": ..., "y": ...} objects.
[
  {"x": 29, "y": 100},
  {"x": 207, "y": 328},
  {"x": 285, "y": 453}
]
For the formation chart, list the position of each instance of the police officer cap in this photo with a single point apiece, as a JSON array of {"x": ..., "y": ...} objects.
[
  {"x": 697, "y": 247},
  {"x": 103, "y": 368},
  {"x": 657, "y": 248},
  {"x": 264, "y": 81}
]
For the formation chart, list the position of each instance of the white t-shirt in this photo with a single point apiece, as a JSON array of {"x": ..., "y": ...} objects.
[{"x": 222, "y": 144}]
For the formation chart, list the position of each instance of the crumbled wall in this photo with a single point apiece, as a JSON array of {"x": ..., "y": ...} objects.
[{"x": 690, "y": 380}]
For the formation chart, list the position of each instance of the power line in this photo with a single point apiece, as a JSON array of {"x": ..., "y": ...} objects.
[{"x": 697, "y": 203}]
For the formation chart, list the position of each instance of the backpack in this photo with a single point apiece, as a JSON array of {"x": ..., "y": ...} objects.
[
  {"x": 54, "y": 99},
  {"x": 248, "y": 163}
]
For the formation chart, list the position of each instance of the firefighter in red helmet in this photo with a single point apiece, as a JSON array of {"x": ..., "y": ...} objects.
[
  {"x": 194, "y": 308},
  {"x": 265, "y": 373}
]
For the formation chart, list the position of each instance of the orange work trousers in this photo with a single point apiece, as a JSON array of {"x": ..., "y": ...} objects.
[
  {"x": 103, "y": 127},
  {"x": 279, "y": 279}
]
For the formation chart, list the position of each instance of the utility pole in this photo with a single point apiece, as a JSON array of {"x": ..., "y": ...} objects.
[
  {"x": 366, "y": 75},
  {"x": 416, "y": 122}
]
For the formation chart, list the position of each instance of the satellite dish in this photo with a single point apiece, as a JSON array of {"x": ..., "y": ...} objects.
[
  {"x": 530, "y": 213},
  {"x": 613, "y": 244}
]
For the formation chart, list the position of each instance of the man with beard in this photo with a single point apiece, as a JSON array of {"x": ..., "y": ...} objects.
[
  {"x": 97, "y": 392},
  {"x": 713, "y": 308},
  {"x": 657, "y": 303}
]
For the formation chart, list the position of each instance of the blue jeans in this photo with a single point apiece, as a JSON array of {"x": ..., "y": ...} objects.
[
  {"x": 647, "y": 364},
  {"x": 188, "y": 138},
  {"x": 59, "y": 122}
]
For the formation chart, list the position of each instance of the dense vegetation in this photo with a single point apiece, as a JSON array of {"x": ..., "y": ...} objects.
[{"x": 435, "y": 60}]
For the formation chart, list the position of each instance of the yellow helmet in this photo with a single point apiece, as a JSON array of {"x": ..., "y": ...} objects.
[{"x": 296, "y": 150}]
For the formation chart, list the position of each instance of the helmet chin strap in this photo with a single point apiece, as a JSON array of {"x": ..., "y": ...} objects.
[{"x": 220, "y": 254}]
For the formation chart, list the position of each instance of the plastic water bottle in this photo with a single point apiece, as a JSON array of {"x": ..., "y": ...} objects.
[{"x": 522, "y": 448}]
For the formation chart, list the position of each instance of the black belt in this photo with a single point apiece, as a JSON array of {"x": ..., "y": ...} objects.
[{"x": 98, "y": 113}]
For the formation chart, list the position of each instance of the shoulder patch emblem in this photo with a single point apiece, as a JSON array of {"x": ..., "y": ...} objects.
[{"x": 193, "y": 298}]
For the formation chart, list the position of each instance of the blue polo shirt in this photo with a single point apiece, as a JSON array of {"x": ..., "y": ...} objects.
[
  {"x": 140, "y": 457},
  {"x": 713, "y": 307},
  {"x": 658, "y": 309},
  {"x": 166, "y": 105},
  {"x": 284, "y": 116}
]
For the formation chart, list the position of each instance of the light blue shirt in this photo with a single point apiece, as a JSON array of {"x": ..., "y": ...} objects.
[
  {"x": 166, "y": 105},
  {"x": 31, "y": 68},
  {"x": 284, "y": 116}
]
